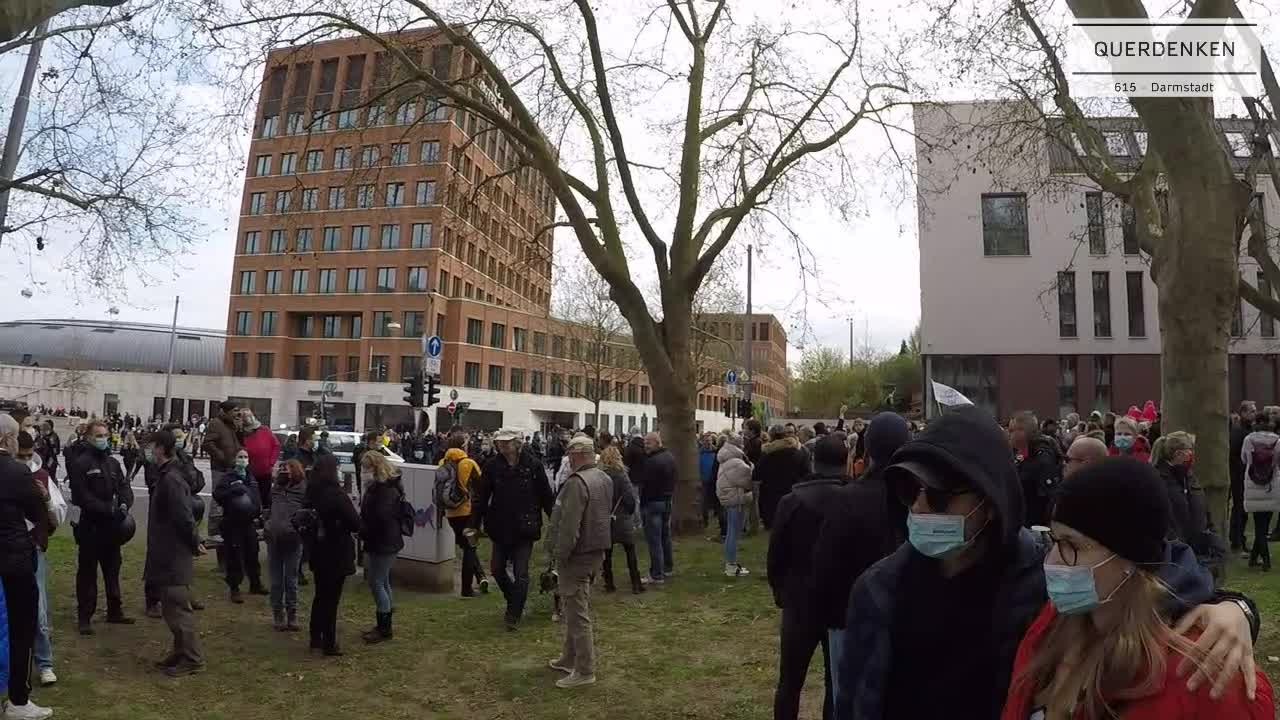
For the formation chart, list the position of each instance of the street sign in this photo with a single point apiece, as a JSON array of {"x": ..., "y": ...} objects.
[
  {"x": 731, "y": 377},
  {"x": 451, "y": 408},
  {"x": 329, "y": 387},
  {"x": 453, "y": 394},
  {"x": 432, "y": 348}
]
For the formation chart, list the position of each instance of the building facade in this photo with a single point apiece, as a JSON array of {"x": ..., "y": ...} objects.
[{"x": 1034, "y": 293}]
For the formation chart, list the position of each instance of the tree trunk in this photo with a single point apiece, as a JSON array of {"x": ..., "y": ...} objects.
[{"x": 679, "y": 428}]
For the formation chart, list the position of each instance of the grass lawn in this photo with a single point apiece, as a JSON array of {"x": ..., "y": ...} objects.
[{"x": 703, "y": 646}]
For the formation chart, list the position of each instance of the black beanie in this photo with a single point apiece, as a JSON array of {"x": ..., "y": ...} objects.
[{"x": 1121, "y": 503}]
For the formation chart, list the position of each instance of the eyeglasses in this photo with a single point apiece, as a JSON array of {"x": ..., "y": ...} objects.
[
  {"x": 1067, "y": 549},
  {"x": 938, "y": 499}
]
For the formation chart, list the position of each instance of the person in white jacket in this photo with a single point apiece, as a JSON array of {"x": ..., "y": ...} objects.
[
  {"x": 734, "y": 490},
  {"x": 1260, "y": 454}
]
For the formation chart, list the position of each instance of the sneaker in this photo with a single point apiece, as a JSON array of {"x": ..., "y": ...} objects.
[
  {"x": 47, "y": 677},
  {"x": 560, "y": 665},
  {"x": 652, "y": 581},
  {"x": 574, "y": 680},
  {"x": 743, "y": 571},
  {"x": 182, "y": 669},
  {"x": 484, "y": 585},
  {"x": 30, "y": 711}
]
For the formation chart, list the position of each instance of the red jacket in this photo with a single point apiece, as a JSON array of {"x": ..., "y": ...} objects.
[
  {"x": 1141, "y": 450},
  {"x": 1171, "y": 702},
  {"x": 263, "y": 449}
]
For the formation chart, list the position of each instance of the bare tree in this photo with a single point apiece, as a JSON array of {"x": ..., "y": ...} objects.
[
  {"x": 19, "y": 18},
  {"x": 599, "y": 344}
]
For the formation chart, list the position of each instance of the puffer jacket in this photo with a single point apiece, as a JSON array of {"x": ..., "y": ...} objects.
[
  {"x": 380, "y": 517},
  {"x": 583, "y": 507},
  {"x": 733, "y": 479},
  {"x": 221, "y": 442},
  {"x": 1265, "y": 496}
]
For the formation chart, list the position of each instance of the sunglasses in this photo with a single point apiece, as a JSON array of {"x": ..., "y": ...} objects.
[{"x": 936, "y": 498}]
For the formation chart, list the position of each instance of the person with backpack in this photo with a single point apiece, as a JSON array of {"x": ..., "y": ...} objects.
[
  {"x": 328, "y": 520},
  {"x": 284, "y": 545},
  {"x": 455, "y": 479},
  {"x": 1261, "y": 493},
  {"x": 382, "y": 531},
  {"x": 237, "y": 493},
  {"x": 623, "y": 519}
]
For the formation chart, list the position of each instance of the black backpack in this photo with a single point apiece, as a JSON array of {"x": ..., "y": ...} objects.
[
  {"x": 449, "y": 493},
  {"x": 406, "y": 515},
  {"x": 1262, "y": 463}
]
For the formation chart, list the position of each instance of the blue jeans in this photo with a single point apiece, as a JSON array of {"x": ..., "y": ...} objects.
[
  {"x": 733, "y": 519},
  {"x": 283, "y": 559},
  {"x": 44, "y": 645},
  {"x": 377, "y": 572},
  {"x": 657, "y": 533}
]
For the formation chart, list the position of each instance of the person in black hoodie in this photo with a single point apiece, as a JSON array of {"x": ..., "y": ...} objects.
[
  {"x": 791, "y": 550},
  {"x": 381, "y": 532},
  {"x": 1039, "y": 461},
  {"x": 862, "y": 523},
  {"x": 332, "y": 550},
  {"x": 101, "y": 491},
  {"x": 782, "y": 464}
]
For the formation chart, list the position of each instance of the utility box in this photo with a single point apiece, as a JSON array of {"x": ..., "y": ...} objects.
[{"x": 426, "y": 562}]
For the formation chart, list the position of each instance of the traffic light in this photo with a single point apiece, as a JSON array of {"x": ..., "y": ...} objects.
[
  {"x": 744, "y": 408},
  {"x": 413, "y": 390},
  {"x": 433, "y": 392},
  {"x": 724, "y": 407}
]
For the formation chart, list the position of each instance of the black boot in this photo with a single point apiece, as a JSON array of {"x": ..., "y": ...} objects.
[
  {"x": 373, "y": 635},
  {"x": 386, "y": 625}
]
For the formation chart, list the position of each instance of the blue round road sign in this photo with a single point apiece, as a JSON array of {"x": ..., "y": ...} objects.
[{"x": 434, "y": 346}]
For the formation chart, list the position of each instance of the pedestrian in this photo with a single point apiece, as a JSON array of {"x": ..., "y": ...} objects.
[
  {"x": 332, "y": 550},
  {"x": 78, "y": 446},
  {"x": 57, "y": 511},
  {"x": 173, "y": 541},
  {"x": 1248, "y": 413},
  {"x": 49, "y": 447},
  {"x": 583, "y": 524},
  {"x": 623, "y": 519},
  {"x": 460, "y": 518},
  {"x": 1104, "y": 644},
  {"x": 657, "y": 481},
  {"x": 284, "y": 546},
  {"x": 1260, "y": 455},
  {"x": 511, "y": 498},
  {"x": 1083, "y": 452},
  {"x": 790, "y": 565},
  {"x": 131, "y": 453},
  {"x": 195, "y": 485},
  {"x": 221, "y": 443},
  {"x": 101, "y": 491},
  {"x": 380, "y": 529},
  {"x": 237, "y": 493},
  {"x": 782, "y": 464},
  {"x": 736, "y": 492},
  {"x": 1128, "y": 442},
  {"x": 21, "y": 503},
  {"x": 1039, "y": 461},
  {"x": 706, "y": 462},
  {"x": 264, "y": 452}
]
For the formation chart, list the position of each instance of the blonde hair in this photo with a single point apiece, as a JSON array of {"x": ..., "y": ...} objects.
[
  {"x": 9, "y": 429},
  {"x": 378, "y": 463},
  {"x": 611, "y": 458},
  {"x": 1168, "y": 445},
  {"x": 1078, "y": 665},
  {"x": 1126, "y": 421}
]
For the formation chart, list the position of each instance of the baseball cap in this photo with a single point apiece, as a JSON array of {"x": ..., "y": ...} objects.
[
  {"x": 505, "y": 434},
  {"x": 582, "y": 443}
]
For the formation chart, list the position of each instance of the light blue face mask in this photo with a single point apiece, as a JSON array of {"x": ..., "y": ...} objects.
[
  {"x": 938, "y": 534},
  {"x": 100, "y": 443},
  {"x": 1072, "y": 590},
  {"x": 1124, "y": 442}
]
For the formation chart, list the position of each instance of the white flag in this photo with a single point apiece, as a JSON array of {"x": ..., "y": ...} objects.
[{"x": 948, "y": 396}]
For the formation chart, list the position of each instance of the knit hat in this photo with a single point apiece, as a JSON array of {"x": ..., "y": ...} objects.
[{"x": 1121, "y": 503}]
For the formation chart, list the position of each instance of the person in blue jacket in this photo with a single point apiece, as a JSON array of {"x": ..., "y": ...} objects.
[{"x": 706, "y": 472}]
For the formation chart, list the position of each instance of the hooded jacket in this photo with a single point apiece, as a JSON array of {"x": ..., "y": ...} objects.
[
  {"x": 173, "y": 536},
  {"x": 795, "y": 534},
  {"x": 969, "y": 443},
  {"x": 221, "y": 442},
  {"x": 380, "y": 517},
  {"x": 733, "y": 477},
  {"x": 656, "y": 476},
  {"x": 782, "y": 464},
  {"x": 468, "y": 474}
]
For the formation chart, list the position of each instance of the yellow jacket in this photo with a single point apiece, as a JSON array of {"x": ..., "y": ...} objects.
[{"x": 468, "y": 471}]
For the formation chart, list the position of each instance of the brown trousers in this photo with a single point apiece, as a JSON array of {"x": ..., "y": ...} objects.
[
  {"x": 175, "y": 606},
  {"x": 575, "y": 592}
]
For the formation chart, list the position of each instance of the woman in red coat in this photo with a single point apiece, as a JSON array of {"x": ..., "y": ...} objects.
[
  {"x": 1103, "y": 646},
  {"x": 1128, "y": 442}
]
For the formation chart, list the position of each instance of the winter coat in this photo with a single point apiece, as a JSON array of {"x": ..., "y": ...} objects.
[
  {"x": 794, "y": 535},
  {"x": 734, "y": 488},
  {"x": 625, "y": 504},
  {"x": 584, "y": 506},
  {"x": 510, "y": 500},
  {"x": 1040, "y": 473},
  {"x": 656, "y": 476},
  {"x": 1188, "y": 511},
  {"x": 1234, "y": 454},
  {"x": 173, "y": 537},
  {"x": 1260, "y": 497},
  {"x": 782, "y": 463},
  {"x": 380, "y": 517},
  {"x": 334, "y": 552},
  {"x": 49, "y": 446},
  {"x": 633, "y": 457},
  {"x": 98, "y": 488},
  {"x": 706, "y": 459},
  {"x": 468, "y": 475},
  {"x": 286, "y": 500},
  {"x": 264, "y": 451},
  {"x": 228, "y": 486},
  {"x": 1172, "y": 701},
  {"x": 221, "y": 442},
  {"x": 1141, "y": 449},
  {"x": 20, "y": 503},
  {"x": 74, "y": 449}
]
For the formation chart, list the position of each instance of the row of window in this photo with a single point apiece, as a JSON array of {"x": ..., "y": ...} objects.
[
  {"x": 331, "y": 239},
  {"x": 325, "y": 120},
  {"x": 342, "y": 158},
  {"x": 1123, "y": 143},
  {"x": 365, "y": 197},
  {"x": 327, "y": 281},
  {"x": 1101, "y": 293},
  {"x": 975, "y": 376}
]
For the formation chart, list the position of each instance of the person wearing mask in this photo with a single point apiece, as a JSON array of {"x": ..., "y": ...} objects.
[
  {"x": 221, "y": 443},
  {"x": 657, "y": 481},
  {"x": 468, "y": 473},
  {"x": 308, "y": 452},
  {"x": 131, "y": 453},
  {"x": 101, "y": 491},
  {"x": 1104, "y": 645},
  {"x": 264, "y": 452},
  {"x": 332, "y": 550},
  {"x": 1260, "y": 455},
  {"x": 49, "y": 447},
  {"x": 24, "y": 527},
  {"x": 509, "y": 502},
  {"x": 1189, "y": 515},
  {"x": 43, "y": 647},
  {"x": 237, "y": 493},
  {"x": 1084, "y": 451},
  {"x": 963, "y": 590},
  {"x": 623, "y": 519},
  {"x": 173, "y": 541},
  {"x": 1128, "y": 442},
  {"x": 583, "y": 509},
  {"x": 782, "y": 464},
  {"x": 284, "y": 546},
  {"x": 790, "y": 566},
  {"x": 1039, "y": 463},
  {"x": 1239, "y": 431},
  {"x": 380, "y": 531},
  {"x": 195, "y": 485},
  {"x": 736, "y": 492}
]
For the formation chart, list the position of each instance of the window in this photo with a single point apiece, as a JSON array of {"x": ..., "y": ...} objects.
[
  {"x": 495, "y": 377},
  {"x": 346, "y": 119},
  {"x": 575, "y": 386},
  {"x": 266, "y": 365},
  {"x": 557, "y": 346},
  {"x": 416, "y": 279},
  {"x": 355, "y": 280},
  {"x": 535, "y": 382},
  {"x": 327, "y": 280},
  {"x": 244, "y": 323},
  {"x": 443, "y": 287},
  {"x": 1066, "y": 304},
  {"x": 299, "y": 281},
  {"x": 390, "y": 237},
  {"x": 257, "y": 203},
  {"x": 457, "y": 285},
  {"x": 342, "y": 158},
  {"x": 288, "y": 163},
  {"x": 519, "y": 339},
  {"x": 410, "y": 365},
  {"x": 269, "y": 126},
  {"x": 332, "y": 237},
  {"x": 539, "y": 343},
  {"x": 276, "y": 244},
  {"x": 1237, "y": 320},
  {"x": 517, "y": 380},
  {"x": 421, "y": 237},
  {"x": 1141, "y": 138},
  {"x": 368, "y": 156},
  {"x": 381, "y": 319},
  {"x": 311, "y": 199},
  {"x": 365, "y": 195},
  {"x": 1266, "y": 323},
  {"x": 360, "y": 237},
  {"x": 284, "y": 199},
  {"x": 1102, "y": 383},
  {"x": 301, "y": 367},
  {"x": 337, "y": 198},
  {"x": 305, "y": 326},
  {"x": 1137, "y": 312},
  {"x": 557, "y": 384},
  {"x": 1129, "y": 227},
  {"x": 468, "y": 292},
  {"x": 1066, "y": 385},
  {"x": 268, "y": 322},
  {"x": 357, "y": 326},
  {"x": 404, "y": 113},
  {"x": 430, "y": 152},
  {"x": 436, "y": 111},
  {"x": 328, "y": 367},
  {"x": 331, "y": 327},
  {"x": 246, "y": 281},
  {"x": 314, "y": 161},
  {"x": 1097, "y": 226},
  {"x": 1238, "y": 144},
  {"x": 239, "y": 364},
  {"x": 400, "y": 153},
  {"x": 386, "y": 280},
  {"x": 293, "y": 123},
  {"x": 1004, "y": 224},
  {"x": 251, "y": 240},
  {"x": 475, "y": 328},
  {"x": 395, "y": 194},
  {"x": 376, "y": 115},
  {"x": 1117, "y": 145},
  {"x": 262, "y": 166},
  {"x": 644, "y": 394},
  {"x": 440, "y": 324},
  {"x": 426, "y": 192},
  {"x": 303, "y": 240},
  {"x": 972, "y": 375},
  {"x": 414, "y": 325},
  {"x": 471, "y": 375},
  {"x": 497, "y": 336},
  {"x": 1102, "y": 304},
  {"x": 273, "y": 282}
]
